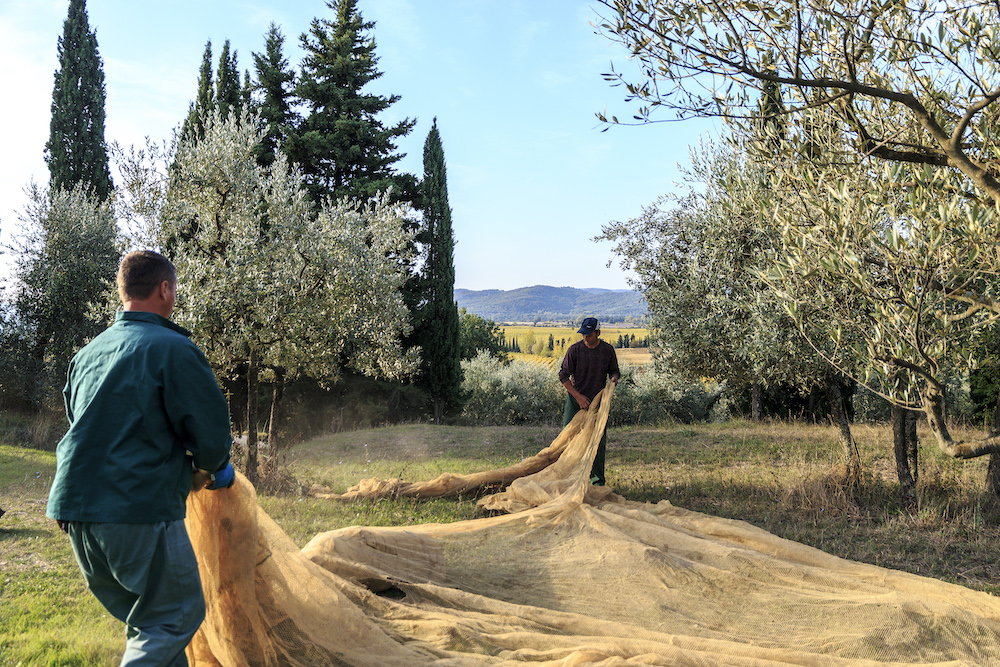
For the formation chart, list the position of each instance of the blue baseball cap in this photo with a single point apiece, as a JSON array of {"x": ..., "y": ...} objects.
[{"x": 589, "y": 326}]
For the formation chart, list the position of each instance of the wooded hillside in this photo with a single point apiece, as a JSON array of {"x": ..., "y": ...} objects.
[{"x": 544, "y": 303}]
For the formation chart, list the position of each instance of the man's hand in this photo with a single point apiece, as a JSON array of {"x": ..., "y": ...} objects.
[
  {"x": 200, "y": 479},
  {"x": 222, "y": 478},
  {"x": 580, "y": 399}
]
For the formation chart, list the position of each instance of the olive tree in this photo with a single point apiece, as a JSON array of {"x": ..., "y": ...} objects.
[
  {"x": 64, "y": 258},
  {"x": 902, "y": 204},
  {"x": 271, "y": 288},
  {"x": 699, "y": 260}
]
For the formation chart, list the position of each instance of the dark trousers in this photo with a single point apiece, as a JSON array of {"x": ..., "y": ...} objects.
[
  {"x": 597, "y": 471},
  {"x": 146, "y": 575}
]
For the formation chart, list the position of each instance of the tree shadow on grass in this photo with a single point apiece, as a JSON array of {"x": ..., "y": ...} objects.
[{"x": 15, "y": 534}]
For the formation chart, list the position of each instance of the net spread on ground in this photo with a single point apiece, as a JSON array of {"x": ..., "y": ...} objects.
[{"x": 562, "y": 573}]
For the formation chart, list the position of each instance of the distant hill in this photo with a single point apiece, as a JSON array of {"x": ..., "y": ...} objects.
[{"x": 552, "y": 304}]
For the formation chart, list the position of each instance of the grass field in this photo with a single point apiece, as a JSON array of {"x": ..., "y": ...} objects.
[
  {"x": 782, "y": 477},
  {"x": 534, "y": 342}
]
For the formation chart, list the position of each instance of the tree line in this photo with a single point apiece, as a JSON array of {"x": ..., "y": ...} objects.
[
  {"x": 301, "y": 251},
  {"x": 533, "y": 346},
  {"x": 842, "y": 232}
]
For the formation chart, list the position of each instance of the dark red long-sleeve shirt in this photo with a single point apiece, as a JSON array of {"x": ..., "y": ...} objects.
[{"x": 589, "y": 368}]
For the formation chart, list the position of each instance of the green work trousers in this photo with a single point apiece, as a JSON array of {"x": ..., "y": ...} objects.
[
  {"x": 597, "y": 470},
  {"x": 146, "y": 575}
]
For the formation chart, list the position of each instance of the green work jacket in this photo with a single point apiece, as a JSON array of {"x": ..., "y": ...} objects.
[{"x": 140, "y": 398}]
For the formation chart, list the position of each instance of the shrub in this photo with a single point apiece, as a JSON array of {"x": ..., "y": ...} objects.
[
  {"x": 520, "y": 392},
  {"x": 517, "y": 392},
  {"x": 646, "y": 397},
  {"x": 869, "y": 407}
]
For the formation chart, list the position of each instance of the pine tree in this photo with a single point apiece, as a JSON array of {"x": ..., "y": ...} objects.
[
  {"x": 277, "y": 81},
  {"x": 75, "y": 152},
  {"x": 194, "y": 124},
  {"x": 441, "y": 338},
  {"x": 341, "y": 146}
]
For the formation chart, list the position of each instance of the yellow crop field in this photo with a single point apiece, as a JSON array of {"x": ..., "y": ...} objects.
[
  {"x": 634, "y": 356},
  {"x": 535, "y": 359},
  {"x": 534, "y": 342}
]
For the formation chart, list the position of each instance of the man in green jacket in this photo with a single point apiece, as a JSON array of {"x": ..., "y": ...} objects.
[{"x": 145, "y": 411}]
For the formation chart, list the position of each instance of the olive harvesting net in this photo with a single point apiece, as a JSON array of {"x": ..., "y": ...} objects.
[{"x": 562, "y": 573}]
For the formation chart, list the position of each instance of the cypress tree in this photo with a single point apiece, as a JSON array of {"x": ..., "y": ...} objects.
[
  {"x": 75, "y": 152},
  {"x": 770, "y": 125},
  {"x": 341, "y": 146},
  {"x": 277, "y": 81},
  {"x": 246, "y": 91},
  {"x": 194, "y": 124},
  {"x": 221, "y": 91},
  {"x": 227, "y": 83},
  {"x": 441, "y": 338}
]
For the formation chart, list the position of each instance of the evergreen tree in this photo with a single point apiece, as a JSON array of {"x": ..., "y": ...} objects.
[
  {"x": 277, "y": 81},
  {"x": 194, "y": 124},
  {"x": 441, "y": 340},
  {"x": 221, "y": 92},
  {"x": 246, "y": 92},
  {"x": 770, "y": 126},
  {"x": 341, "y": 146},
  {"x": 75, "y": 151},
  {"x": 227, "y": 83}
]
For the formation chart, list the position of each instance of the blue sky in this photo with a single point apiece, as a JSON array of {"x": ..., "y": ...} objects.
[{"x": 514, "y": 84}]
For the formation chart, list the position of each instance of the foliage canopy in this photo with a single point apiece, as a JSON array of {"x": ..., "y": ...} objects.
[{"x": 884, "y": 190}]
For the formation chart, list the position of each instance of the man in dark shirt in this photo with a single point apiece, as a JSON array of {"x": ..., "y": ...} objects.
[{"x": 585, "y": 370}]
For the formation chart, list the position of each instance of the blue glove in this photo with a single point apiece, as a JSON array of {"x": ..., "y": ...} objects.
[{"x": 222, "y": 478}]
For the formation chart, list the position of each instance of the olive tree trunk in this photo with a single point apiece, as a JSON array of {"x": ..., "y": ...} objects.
[
  {"x": 756, "y": 408},
  {"x": 852, "y": 457},
  {"x": 904, "y": 445},
  {"x": 252, "y": 371}
]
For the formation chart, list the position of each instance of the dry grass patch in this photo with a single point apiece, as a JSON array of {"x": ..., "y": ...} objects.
[{"x": 787, "y": 479}]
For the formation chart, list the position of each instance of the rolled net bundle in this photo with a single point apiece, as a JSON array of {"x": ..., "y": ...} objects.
[{"x": 564, "y": 574}]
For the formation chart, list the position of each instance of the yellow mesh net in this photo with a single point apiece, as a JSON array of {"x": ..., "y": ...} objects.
[{"x": 572, "y": 575}]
